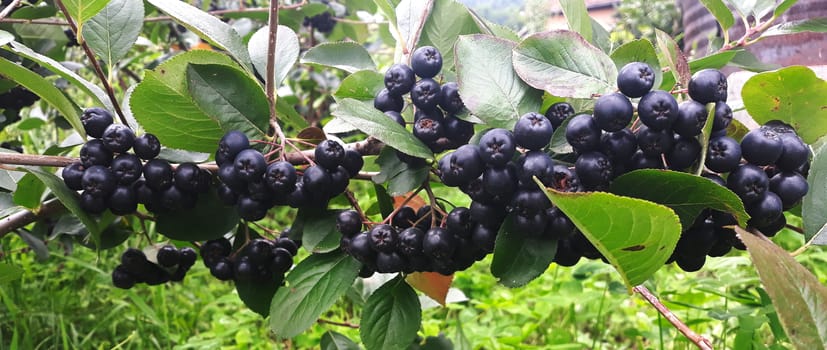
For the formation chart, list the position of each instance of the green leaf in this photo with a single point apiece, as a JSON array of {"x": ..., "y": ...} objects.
[
  {"x": 559, "y": 144},
  {"x": 686, "y": 194},
  {"x": 401, "y": 177},
  {"x": 489, "y": 87},
  {"x": 783, "y": 7},
  {"x": 564, "y": 64},
  {"x": 410, "y": 19},
  {"x": 45, "y": 89},
  {"x": 347, "y": 56},
  {"x": 208, "y": 27},
  {"x": 336, "y": 341},
  {"x": 96, "y": 93},
  {"x": 636, "y": 236},
  {"x": 448, "y": 20},
  {"x": 5, "y": 37},
  {"x": 82, "y": 10},
  {"x": 640, "y": 50},
  {"x": 520, "y": 258},
  {"x": 69, "y": 198},
  {"x": 9, "y": 273},
  {"x": 319, "y": 234},
  {"x": 672, "y": 57},
  {"x": 230, "y": 97},
  {"x": 312, "y": 287},
  {"x": 288, "y": 116},
  {"x": 391, "y": 316},
  {"x": 794, "y": 95},
  {"x": 721, "y": 12},
  {"x": 287, "y": 51},
  {"x": 578, "y": 18},
  {"x": 113, "y": 31},
  {"x": 362, "y": 85},
  {"x": 600, "y": 36},
  {"x": 813, "y": 215},
  {"x": 384, "y": 200},
  {"x": 799, "y": 298},
  {"x": 29, "y": 191},
  {"x": 364, "y": 117},
  {"x": 813, "y": 25},
  {"x": 714, "y": 61},
  {"x": 210, "y": 219},
  {"x": 257, "y": 295}
]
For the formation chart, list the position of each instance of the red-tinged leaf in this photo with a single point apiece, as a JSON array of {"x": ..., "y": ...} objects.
[{"x": 434, "y": 285}]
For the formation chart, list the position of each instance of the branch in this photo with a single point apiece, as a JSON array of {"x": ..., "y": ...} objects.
[
  {"x": 91, "y": 55},
  {"x": 6, "y": 11},
  {"x": 701, "y": 342},
  {"x": 25, "y": 217},
  {"x": 343, "y": 324},
  {"x": 270, "y": 86}
]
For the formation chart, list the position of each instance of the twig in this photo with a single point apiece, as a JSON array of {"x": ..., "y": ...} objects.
[
  {"x": 699, "y": 341},
  {"x": 25, "y": 217},
  {"x": 343, "y": 324},
  {"x": 6, "y": 11},
  {"x": 404, "y": 202},
  {"x": 795, "y": 228},
  {"x": 91, "y": 55},
  {"x": 270, "y": 80},
  {"x": 355, "y": 204}
]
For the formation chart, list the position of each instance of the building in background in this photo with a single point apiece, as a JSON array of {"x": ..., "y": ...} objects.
[{"x": 603, "y": 11}]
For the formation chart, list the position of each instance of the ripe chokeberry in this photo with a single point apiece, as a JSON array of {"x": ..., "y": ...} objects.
[
  {"x": 533, "y": 131},
  {"x": 118, "y": 138},
  {"x": 250, "y": 165},
  {"x": 761, "y": 146},
  {"x": 594, "y": 169},
  {"x": 72, "y": 176},
  {"x": 95, "y": 120},
  {"x": 653, "y": 142},
  {"x": 94, "y": 152},
  {"x": 583, "y": 133},
  {"x": 232, "y": 143},
  {"x": 385, "y": 101},
  {"x": 449, "y": 99},
  {"x": 460, "y": 166},
  {"x": 348, "y": 222},
  {"x": 613, "y": 112},
  {"x": 98, "y": 181},
  {"x": 404, "y": 217},
  {"x": 399, "y": 79},
  {"x": 329, "y": 154},
  {"x": 684, "y": 153},
  {"x": 658, "y": 110},
  {"x": 353, "y": 162},
  {"x": 619, "y": 146},
  {"x": 410, "y": 241},
  {"x": 426, "y": 62},
  {"x": 558, "y": 113},
  {"x": 396, "y": 116},
  {"x": 127, "y": 168},
  {"x": 795, "y": 153},
  {"x": 383, "y": 238},
  {"x": 707, "y": 86},
  {"x": 534, "y": 164},
  {"x": 92, "y": 204},
  {"x": 123, "y": 200},
  {"x": 428, "y": 130},
  {"x": 438, "y": 243},
  {"x": 147, "y": 146},
  {"x": 749, "y": 182},
  {"x": 497, "y": 147},
  {"x": 281, "y": 177},
  {"x": 316, "y": 179},
  {"x": 723, "y": 154},
  {"x": 635, "y": 79},
  {"x": 691, "y": 118},
  {"x": 168, "y": 256},
  {"x": 158, "y": 174},
  {"x": 426, "y": 94},
  {"x": 790, "y": 187},
  {"x": 499, "y": 181},
  {"x": 723, "y": 116}
]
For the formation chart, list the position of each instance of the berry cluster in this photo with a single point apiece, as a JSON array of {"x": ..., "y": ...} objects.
[
  {"x": 113, "y": 178},
  {"x": 410, "y": 243},
  {"x": 17, "y": 98},
  {"x": 259, "y": 261},
  {"x": 323, "y": 22},
  {"x": 171, "y": 264},
  {"x": 435, "y": 121},
  {"x": 254, "y": 186}
]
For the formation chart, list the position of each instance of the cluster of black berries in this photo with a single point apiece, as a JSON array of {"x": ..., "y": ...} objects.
[
  {"x": 171, "y": 264},
  {"x": 409, "y": 242},
  {"x": 17, "y": 98},
  {"x": 253, "y": 186},
  {"x": 435, "y": 121},
  {"x": 259, "y": 261},
  {"x": 113, "y": 178},
  {"x": 323, "y": 22}
]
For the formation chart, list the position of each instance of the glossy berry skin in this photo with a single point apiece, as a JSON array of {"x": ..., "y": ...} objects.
[
  {"x": 761, "y": 146},
  {"x": 95, "y": 120},
  {"x": 795, "y": 153},
  {"x": 158, "y": 174},
  {"x": 232, "y": 143},
  {"x": 460, "y": 166},
  {"x": 348, "y": 223},
  {"x": 123, "y": 200},
  {"x": 684, "y": 153},
  {"x": 583, "y": 133},
  {"x": 723, "y": 116},
  {"x": 383, "y": 238},
  {"x": 396, "y": 116},
  {"x": 92, "y": 204},
  {"x": 749, "y": 182},
  {"x": 613, "y": 112},
  {"x": 426, "y": 94},
  {"x": 426, "y": 62},
  {"x": 707, "y": 86},
  {"x": 790, "y": 188},
  {"x": 127, "y": 168},
  {"x": 410, "y": 241},
  {"x": 251, "y": 209},
  {"x": 94, "y": 152},
  {"x": 594, "y": 169},
  {"x": 723, "y": 154},
  {"x": 619, "y": 146},
  {"x": 118, "y": 138},
  {"x": 385, "y": 101},
  {"x": 72, "y": 175},
  {"x": 428, "y": 130},
  {"x": 186, "y": 177},
  {"x": 174, "y": 199},
  {"x": 147, "y": 146},
  {"x": 438, "y": 243},
  {"x": 458, "y": 131},
  {"x": 497, "y": 147},
  {"x": 223, "y": 269},
  {"x": 764, "y": 210},
  {"x": 121, "y": 278},
  {"x": 558, "y": 113},
  {"x": 529, "y": 202},
  {"x": 361, "y": 248},
  {"x": 459, "y": 222},
  {"x": 652, "y": 142},
  {"x": 635, "y": 79},
  {"x": 282, "y": 260},
  {"x": 534, "y": 164},
  {"x": 404, "y": 217},
  {"x": 499, "y": 181},
  {"x": 658, "y": 110},
  {"x": 98, "y": 181},
  {"x": 168, "y": 256},
  {"x": 329, "y": 154},
  {"x": 353, "y": 162},
  {"x": 399, "y": 79},
  {"x": 533, "y": 131},
  {"x": 250, "y": 165},
  {"x": 640, "y": 160},
  {"x": 338, "y": 181},
  {"x": 691, "y": 118},
  {"x": 316, "y": 180},
  {"x": 281, "y": 177},
  {"x": 449, "y": 99}
]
